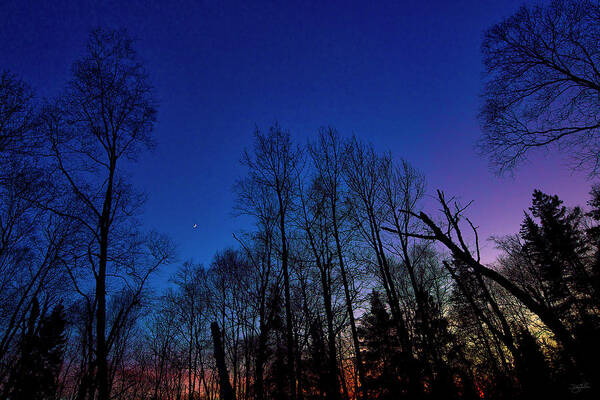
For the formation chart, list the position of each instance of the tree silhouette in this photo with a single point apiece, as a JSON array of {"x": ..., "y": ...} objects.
[
  {"x": 17, "y": 114},
  {"x": 36, "y": 371},
  {"x": 532, "y": 367},
  {"x": 104, "y": 117},
  {"x": 542, "y": 68},
  {"x": 273, "y": 168},
  {"x": 386, "y": 364},
  {"x": 225, "y": 390}
]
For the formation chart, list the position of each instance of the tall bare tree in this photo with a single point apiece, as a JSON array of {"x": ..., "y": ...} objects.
[
  {"x": 316, "y": 223},
  {"x": 103, "y": 119},
  {"x": 273, "y": 167},
  {"x": 329, "y": 160},
  {"x": 364, "y": 177}
]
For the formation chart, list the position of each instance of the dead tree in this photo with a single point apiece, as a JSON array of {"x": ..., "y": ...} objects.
[{"x": 452, "y": 237}]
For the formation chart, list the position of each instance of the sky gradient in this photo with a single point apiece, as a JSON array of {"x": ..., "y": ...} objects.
[{"x": 404, "y": 75}]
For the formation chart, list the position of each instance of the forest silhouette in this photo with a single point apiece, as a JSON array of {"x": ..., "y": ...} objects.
[{"x": 346, "y": 286}]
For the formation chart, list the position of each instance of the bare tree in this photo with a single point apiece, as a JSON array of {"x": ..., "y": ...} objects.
[
  {"x": 33, "y": 244},
  {"x": 17, "y": 114},
  {"x": 316, "y": 223},
  {"x": 364, "y": 177},
  {"x": 402, "y": 189},
  {"x": 329, "y": 160},
  {"x": 451, "y": 235},
  {"x": 104, "y": 118},
  {"x": 273, "y": 169},
  {"x": 258, "y": 249},
  {"x": 543, "y": 83}
]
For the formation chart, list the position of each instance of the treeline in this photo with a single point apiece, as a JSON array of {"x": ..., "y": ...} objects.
[
  {"x": 343, "y": 291},
  {"x": 345, "y": 287}
]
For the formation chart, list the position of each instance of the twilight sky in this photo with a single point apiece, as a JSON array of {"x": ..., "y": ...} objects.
[{"x": 404, "y": 75}]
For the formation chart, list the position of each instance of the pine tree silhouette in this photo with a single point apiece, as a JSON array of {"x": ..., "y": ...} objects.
[
  {"x": 41, "y": 349},
  {"x": 386, "y": 365}
]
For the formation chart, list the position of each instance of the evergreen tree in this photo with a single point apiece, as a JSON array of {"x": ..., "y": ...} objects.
[
  {"x": 386, "y": 365},
  {"x": 41, "y": 349},
  {"x": 275, "y": 379},
  {"x": 562, "y": 254},
  {"x": 533, "y": 371},
  {"x": 435, "y": 346},
  {"x": 556, "y": 247},
  {"x": 317, "y": 375},
  {"x": 593, "y": 237}
]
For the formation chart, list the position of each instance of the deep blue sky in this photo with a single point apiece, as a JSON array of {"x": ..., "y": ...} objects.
[{"x": 404, "y": 75}]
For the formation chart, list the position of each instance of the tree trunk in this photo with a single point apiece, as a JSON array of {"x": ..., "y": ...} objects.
[
  {"x": 288, "y": 309},
  {"x": 348, "y": 298},
  {"x": 332, "y": 383},
  {"x": 546, "y": 316},
  {"x": 225, "y": 390}
]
